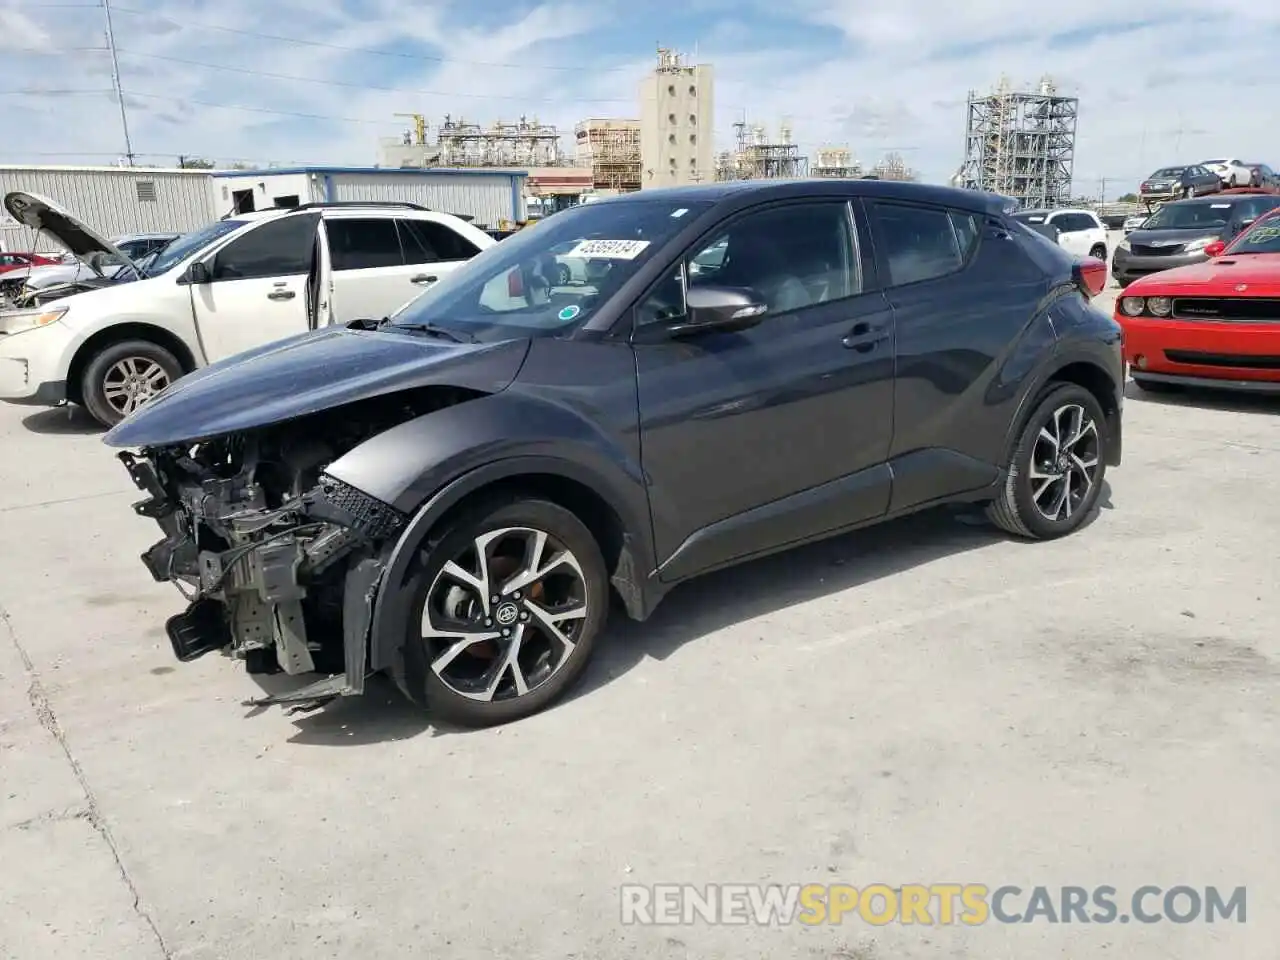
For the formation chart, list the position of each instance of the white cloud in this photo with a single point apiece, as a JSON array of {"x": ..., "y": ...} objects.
[{"x": 899, "y": 81}]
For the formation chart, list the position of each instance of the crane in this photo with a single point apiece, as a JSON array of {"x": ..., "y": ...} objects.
[{"x": 419, "y": 127}]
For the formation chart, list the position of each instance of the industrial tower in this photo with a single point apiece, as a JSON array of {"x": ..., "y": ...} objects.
[{"x": 1021, "y": 144}]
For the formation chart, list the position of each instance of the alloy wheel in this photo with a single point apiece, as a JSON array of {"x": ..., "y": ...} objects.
[
  {"x": 504, "y": 616},
  {"x": 131, "y": 382},
  {"x": 1064, "y": 462}
]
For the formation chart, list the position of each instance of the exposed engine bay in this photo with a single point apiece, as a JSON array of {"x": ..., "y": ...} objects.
[{"x": 262, "y": 542}]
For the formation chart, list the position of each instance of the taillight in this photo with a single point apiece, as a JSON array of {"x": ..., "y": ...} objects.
[
  {"x": 515, "y": 283},
  {"x": 1091, "y": 276}
]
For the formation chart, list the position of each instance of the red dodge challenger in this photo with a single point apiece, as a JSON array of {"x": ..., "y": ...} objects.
[{"x": 1215, "y": 323}]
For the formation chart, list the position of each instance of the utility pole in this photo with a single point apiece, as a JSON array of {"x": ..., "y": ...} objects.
[{"x": 115, "y": 81}]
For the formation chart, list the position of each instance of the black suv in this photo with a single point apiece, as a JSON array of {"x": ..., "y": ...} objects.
[{"x": 453, "y": 494}]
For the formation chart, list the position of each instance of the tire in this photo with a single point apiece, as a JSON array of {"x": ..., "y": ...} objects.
[
  {"x": 1156, "y": 386},
  {"x": 1099, "y": 251},
  {"x": 1231, "y": 181},
  {"x": 455, "y": 691},
  {"x": 1188, "y": 193},
  {"x": 1122, "y": 283},
  {"x": 154, "y": 369},
  {"x": 1018, "y": 510},
  {"x": 563, "y": 275}
]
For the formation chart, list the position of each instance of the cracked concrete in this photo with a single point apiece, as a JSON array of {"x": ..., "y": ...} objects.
[{"x": 921, "y": 703}]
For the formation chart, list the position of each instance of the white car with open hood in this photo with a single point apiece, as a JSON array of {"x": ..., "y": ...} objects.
[{"x": 229, "y": 287}]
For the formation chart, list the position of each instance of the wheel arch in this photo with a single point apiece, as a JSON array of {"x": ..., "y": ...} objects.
[
  {"x": 1083, "y": 370},
  {"x": 622, "y": 533},
  {"x": 119, "y": 333}
]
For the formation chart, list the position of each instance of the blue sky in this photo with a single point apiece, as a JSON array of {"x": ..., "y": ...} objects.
[{"x": 289, "y": 81}]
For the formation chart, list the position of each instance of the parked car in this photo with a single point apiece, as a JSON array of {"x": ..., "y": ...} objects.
[
  {"x": 23, "y": 261},
  {"x": 72, "y": 274},
  {"x": 452, "y": 495},
  {"x": 1231, "y": 172},
  {"x": 1179, "y": 233},
  {"x": 232, "y": 286},
  {"x": 1183, "y": 182},
  {"x": 1262, "y": 175},
  {"x": 1215, "y": 323},
  {"x": 1081, "y": 233},
  {"x": 1133, "y": 223}
]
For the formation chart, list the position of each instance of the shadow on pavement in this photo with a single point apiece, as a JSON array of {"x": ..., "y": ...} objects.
[
  {"x": 691, "y": 611},
  {"x": 68, "y": 419},
  {"x": 1205, "y": 398}
]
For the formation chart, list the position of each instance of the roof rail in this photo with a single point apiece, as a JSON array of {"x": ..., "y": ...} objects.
[{"x": 324, "y": 204}]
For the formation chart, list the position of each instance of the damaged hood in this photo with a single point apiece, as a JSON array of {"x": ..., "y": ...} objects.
[
  {"x": 42, "y": 214},
  {"x": 309, "y": 373}
]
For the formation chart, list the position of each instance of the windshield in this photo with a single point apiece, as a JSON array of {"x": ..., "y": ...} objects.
[
  {"x": 190, "y": 243},
  {"x": 1166, "y": 173},
  {"x": 550, "y": 280},
  {"x": 1189, "y": 216},
  {"x": 1262, "y": 237}
]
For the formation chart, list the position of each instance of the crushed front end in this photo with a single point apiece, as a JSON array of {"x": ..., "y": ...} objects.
[{"x": 279, "y": 562}]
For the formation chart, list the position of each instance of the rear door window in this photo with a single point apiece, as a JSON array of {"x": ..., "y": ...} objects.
[
  {"x": 362, "y": 243},
  {"x": 920, "y": 243},
  {"x": 426, "y": 241}
]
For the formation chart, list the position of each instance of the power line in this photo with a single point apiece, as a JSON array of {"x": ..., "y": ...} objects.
[{"x": 363, "y": 86}]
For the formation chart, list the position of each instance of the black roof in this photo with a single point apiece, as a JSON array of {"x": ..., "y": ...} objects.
[
  {"x": 975, "y": 200},
  {"x": 1219, "y": 198}
]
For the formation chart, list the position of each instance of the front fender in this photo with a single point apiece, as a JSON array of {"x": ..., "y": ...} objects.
[{"x": 407, "y": 464}]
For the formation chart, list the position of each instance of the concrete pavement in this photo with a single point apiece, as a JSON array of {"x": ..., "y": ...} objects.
[{"x": 925, "y": 702}]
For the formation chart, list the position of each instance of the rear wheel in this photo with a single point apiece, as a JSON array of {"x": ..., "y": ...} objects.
[
  {"x": 509, "y": 600},
  {"x": 124, "y": 376},
  {"x": 1055, "y": 474}
]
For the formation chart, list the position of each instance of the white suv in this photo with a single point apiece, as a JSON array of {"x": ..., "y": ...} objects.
[
  {"x": 1080, "y": 232},
  {"x": 234, "y": 285}
]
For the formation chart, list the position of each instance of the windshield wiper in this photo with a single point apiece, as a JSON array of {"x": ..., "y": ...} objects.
[{"x": 435, "y": 330}]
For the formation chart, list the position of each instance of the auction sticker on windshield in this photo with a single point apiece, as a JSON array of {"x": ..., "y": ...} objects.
[{"x": 609, "y": 249}]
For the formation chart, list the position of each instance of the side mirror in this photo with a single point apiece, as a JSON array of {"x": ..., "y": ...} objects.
[
  {"x": 197, "y": 273},
  {"x": 1215, "y": 249},
  {"x": 720, "y": 308}
]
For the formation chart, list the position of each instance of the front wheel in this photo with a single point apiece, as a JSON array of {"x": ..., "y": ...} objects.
[
  {"x": 124, "y": 376},
  {"x": 1099, "y": 252},
  {"x": 508, "y": 602},
  {"x": 1056, "y": 472},
  {"x": 1188, "y": 193}
]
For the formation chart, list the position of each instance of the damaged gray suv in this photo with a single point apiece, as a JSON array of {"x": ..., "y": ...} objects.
[{"x": 600, "y": 408}]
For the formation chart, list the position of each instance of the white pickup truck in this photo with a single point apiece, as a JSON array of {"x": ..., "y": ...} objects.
[{"x": 233, "y": 285}]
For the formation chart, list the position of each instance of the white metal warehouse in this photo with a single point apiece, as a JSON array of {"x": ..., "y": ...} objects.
[
  {"x": 492, "y": 196},
  {"x": 111, "y": 200}
]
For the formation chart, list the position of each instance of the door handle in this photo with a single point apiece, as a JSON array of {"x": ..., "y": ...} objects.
[
  {"x": 864, "y": 336},
  {"x": 281, "y": 295},
  {"x": 424, "y": 278}
]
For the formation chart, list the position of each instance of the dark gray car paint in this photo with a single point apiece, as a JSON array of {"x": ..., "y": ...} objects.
[
  {"x": 655, "y": 428},
  {"x": 308, "y": 373}
]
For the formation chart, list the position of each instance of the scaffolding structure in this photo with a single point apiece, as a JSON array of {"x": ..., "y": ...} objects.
[
  {"x": 835, "y": 162},
  {"x": 893, "y": 167},
  {"x": 526, "y": 143},
  {"x": 1021, "y": 144},
  {"x": 759, "y": 158},
  {"x": 611, "y": 148}
]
